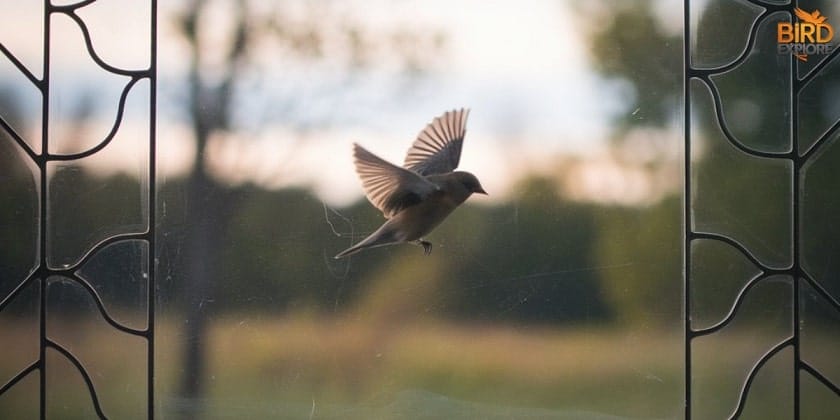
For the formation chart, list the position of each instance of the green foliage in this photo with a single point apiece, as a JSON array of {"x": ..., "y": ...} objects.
[
  {"x": 535, "y": 259},
  {"x": 644, "y": 247},
  {"x": 633, "y": 46}
]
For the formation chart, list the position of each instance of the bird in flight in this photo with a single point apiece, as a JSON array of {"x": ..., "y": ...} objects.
[{"x": 416, "y": 197}]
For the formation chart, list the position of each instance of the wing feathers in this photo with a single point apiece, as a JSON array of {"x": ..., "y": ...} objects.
[
  {"x": 387, "y": 186},
  {"x": 437, "y": 148}
]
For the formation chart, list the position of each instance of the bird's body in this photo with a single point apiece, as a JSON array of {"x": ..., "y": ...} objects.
[{"x": 417, "y": 198}]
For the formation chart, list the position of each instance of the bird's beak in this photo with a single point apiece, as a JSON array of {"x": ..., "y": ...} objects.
[{"x": 481, "y": 191}]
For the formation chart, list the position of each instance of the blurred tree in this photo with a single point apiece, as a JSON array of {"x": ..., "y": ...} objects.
[
  {"x": 634, "y": 47},
  {"x": 208, "y": 203}
]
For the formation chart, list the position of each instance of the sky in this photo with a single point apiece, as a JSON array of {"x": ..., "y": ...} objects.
[{"x": 521, "y": 67}]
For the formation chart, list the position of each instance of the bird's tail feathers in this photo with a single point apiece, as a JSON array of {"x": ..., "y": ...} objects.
[{"x": 379, "y": 238}]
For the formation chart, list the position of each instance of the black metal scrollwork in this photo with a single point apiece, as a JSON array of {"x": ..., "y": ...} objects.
[
  {"x": 797, "y": 159},
  {"x": 40, "y": 276}
]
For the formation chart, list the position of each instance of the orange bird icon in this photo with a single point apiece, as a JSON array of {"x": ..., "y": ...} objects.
[{"x": 813, "y": 17}]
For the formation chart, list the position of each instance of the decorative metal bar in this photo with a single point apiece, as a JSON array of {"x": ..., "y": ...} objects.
[
  {"x": 795, "y": 270},
  {"x": 725, "y": 127},
  {"x": 29, "y": 369},
  {"x": 42, "y": 220},
  {"x": 111, "y": 134},
  {"x": 687, "y": 220},
  {"x": 819, "y": 376},
  {"x": 98, "y": 247},
  {"x": 816, "y": 70},
  {"x": 822, "y": 140},
  {"x": 101, "y": 306},
  {"x": 741, "y": 248},
  {"x": 35, "y": 81},
  {"x": 11, "y": 296},
  {"x": 151, "y": 261},
  {"x": 42, "y": 273},
  {"x": 75, "y": 361},
  {"x": 18, "y": 138},
  {"x": 821, "y": 290},
  {"x": 742, "y": 397},
  {"x": 744, "y": 54},
  {"x": 733, "y": 309}
]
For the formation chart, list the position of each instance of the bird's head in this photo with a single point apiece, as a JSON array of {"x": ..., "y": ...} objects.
[{"x": 470, "y": 182}]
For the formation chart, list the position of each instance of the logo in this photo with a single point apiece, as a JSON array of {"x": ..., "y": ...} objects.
[{"x": 809, "y": 36}]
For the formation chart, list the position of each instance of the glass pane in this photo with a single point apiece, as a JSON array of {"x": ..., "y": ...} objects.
[
  {"x": 103, "y": 194},
  {"x": 20, "y": 108},
  {"x": 818, "y": 108},
  {"x": 114, "y": 360},
  {"x": 68, "y": 396},
  {"x": 20, "y": 338},
  {"x": 83, "y": 211},
  {"x": 820, "y": 321},
  {"x": 22, "y": 33},
  {"x": 722, "y": 361},
  {"x": 558, "y": 295},
  {"x": 21, "y": 401},
  {"x": 712, "y": 44},
  {"x": 756, "y": 116},
  {"x": 119, "y": 31},
  {"x": 120, "y": 275},
  {"x": 19, "y": 215},
  {"x": 84, "y": 97},
  {"x": 818, "y": 402},
  {"x": 819, "y": 293},
  {"x": 718, "y": 273},
  {"x": 820, "y": 206},
  {"x": 771, "y": 393},
  {"x": 743, "y": 197}
]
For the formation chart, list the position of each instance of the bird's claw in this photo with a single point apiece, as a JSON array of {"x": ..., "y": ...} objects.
[{"x": 427, "y": 247}]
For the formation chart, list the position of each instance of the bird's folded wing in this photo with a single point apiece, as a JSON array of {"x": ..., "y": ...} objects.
[
  {"x": 389, "y": 187},
  {"x": 437, "y": 148}
]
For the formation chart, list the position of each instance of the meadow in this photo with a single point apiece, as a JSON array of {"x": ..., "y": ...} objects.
[{"x": 307, "y": 366}]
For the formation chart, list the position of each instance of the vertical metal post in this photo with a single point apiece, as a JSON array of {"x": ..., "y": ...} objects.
[
  {"x": 42, "y": 212},
  {"x": 687, "y": 203},
  {"x": 152, "y": 202}
]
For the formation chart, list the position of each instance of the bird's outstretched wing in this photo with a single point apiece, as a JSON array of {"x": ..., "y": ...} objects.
[
  {"x": 437, "y": 148},
  {"x": 387, "y": 186}
]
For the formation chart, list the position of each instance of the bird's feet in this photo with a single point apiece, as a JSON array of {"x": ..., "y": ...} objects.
[{"x": 427, "y": 246}]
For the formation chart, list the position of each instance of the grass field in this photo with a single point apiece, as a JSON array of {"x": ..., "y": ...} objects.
[{"x": 314, "y": 367}]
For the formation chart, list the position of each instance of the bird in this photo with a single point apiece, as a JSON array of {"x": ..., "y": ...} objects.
[
  {"x": 416, "y": 197},
  {"x": 813, "y": 17}
]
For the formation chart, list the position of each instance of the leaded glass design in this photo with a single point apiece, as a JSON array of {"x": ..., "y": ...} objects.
[
  {"x": 80, "y": 285},
  {"x": 759, "y": 132}
]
